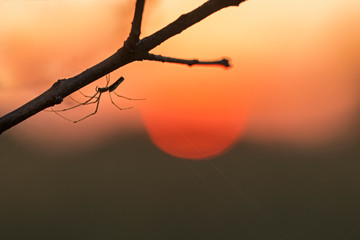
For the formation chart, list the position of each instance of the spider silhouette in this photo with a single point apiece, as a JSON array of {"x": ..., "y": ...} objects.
[{"x": 95, "y": 99}]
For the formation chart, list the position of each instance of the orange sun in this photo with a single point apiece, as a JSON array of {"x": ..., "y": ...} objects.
[{"x": 196, "y": 113}]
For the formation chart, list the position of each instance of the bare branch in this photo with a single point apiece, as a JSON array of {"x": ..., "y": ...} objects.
[
  {"x": 152, "y": 57},
  {"x": 185, "y": 21},
  {"x": 134, "y": 35},
  {"x": 130, "y": 52}
]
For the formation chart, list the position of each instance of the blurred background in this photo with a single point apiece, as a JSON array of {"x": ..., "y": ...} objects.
[{"x": 266, "y": 149}]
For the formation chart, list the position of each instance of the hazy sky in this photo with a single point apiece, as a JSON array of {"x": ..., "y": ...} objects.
[{"x": 294, "y": 77}]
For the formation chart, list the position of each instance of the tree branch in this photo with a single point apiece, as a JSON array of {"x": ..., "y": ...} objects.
[
  {"x": 152, "y": 57},
  {"x": 134, "y": 35},
  {"x": 185, "y": 21},
  {"x": 132, "y": 51}
]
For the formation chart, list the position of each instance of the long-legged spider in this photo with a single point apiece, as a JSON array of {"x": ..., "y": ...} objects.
[{"x": 95, "y": 99}]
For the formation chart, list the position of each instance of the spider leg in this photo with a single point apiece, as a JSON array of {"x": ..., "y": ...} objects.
[
  {"x": 121, "y": 96},
  {"x": 88, "y": 96},
  {"x": 87, "y": 102},
  {"x": 97, "y": 101},
  {"x": 73, "y": 99},
  {"x": 117, "y": 105},
  {"x": 67, "y": 119},
  {"x": 93, "y": 113},
  {"x": 107, "y": 77}
]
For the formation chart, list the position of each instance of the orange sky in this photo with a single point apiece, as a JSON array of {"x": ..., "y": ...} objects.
[{"x": 294, "y": 77}]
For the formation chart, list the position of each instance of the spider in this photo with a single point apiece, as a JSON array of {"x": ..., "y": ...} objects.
[{"x": 95, "y": 99}]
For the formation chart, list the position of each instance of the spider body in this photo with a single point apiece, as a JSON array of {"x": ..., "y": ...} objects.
[{"x": 112, "y": 87}]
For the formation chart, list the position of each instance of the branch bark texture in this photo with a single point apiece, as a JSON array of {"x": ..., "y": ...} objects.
[{"x": 133, "y": 49}]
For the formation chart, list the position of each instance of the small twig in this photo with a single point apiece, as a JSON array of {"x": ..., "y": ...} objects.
[
  {"x": 185, "y": 21},
  {"x": 134, "y": 36},
  {"x": 190, "y": 62}
]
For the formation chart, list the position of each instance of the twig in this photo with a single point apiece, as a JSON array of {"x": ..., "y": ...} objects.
[
  {"x": 185, "y": 21},
  {"x": 152, "y": 57},
  {"x": 130, "y": 52},
  {"x": 133, "y": 39}
]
